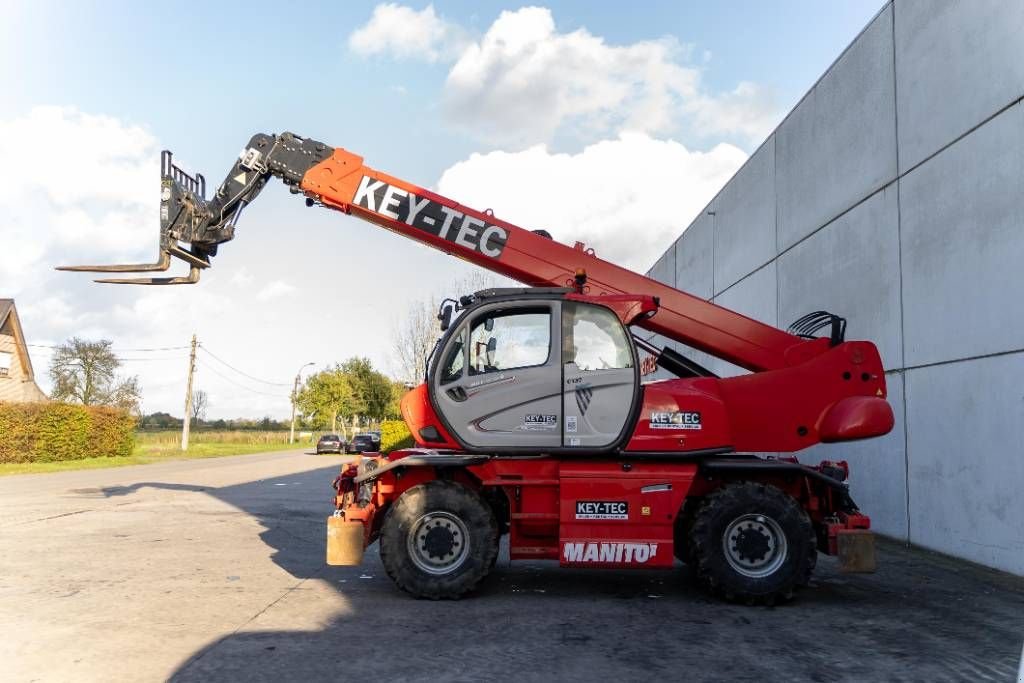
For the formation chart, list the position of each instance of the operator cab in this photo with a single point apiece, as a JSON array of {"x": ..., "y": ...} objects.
[{"x": 530, "y": 369}]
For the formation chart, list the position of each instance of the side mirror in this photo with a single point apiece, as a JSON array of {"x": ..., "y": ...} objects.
[
  {"x": 489, "y": 324},
  {"x": 445, "y": 316}
]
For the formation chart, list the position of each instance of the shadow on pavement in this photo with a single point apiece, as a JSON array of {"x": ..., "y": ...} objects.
[{"x": 920, "y": 617}]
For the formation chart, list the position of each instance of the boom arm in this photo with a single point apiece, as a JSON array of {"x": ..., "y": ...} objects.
[{"x": 338, "y": 179}]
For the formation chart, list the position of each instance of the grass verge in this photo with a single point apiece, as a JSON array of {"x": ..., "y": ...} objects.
[{"x": 149, "y": 450}]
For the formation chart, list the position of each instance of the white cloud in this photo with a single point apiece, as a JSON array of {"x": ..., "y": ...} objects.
[
  {"x": 404, "y": 33},
  {"x": 82, "y": 188},
  {"x": 74, "y": 184},
  {"x": 274, "y": 290},
  {"x": 242, "y": 277},
  {"x": 748, "y": 109},
  {"x": 628, "y": 198},
  {"x": 523, "y": 81}
]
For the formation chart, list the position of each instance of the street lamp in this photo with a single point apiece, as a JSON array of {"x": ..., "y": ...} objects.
[{"x": 295, "y": 391}]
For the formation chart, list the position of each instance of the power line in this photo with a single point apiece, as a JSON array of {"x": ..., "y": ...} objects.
[
  {"x": 241, "y": 386},
  {"x": 245, "y": 374},
  {"x": 115, "y": 349}
]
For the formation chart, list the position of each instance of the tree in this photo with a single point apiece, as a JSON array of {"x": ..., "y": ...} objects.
[
  {"x": 86, "y": 372},
  {"x": 398, "y": 390},
  {"x": 328, "y": 395},
  {"x": 200, "y": 402},
  {"x": 371, "y": 387},
  {"x": 415, "y": 335},
  {"x": 414, "y": 338},
  {"x": 161, "y": 421}
]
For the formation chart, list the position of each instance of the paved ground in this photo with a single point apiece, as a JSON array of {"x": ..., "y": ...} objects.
[{"x": 212, "y": 570}]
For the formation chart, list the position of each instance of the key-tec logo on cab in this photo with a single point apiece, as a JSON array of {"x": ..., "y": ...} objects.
[{"x": 431, "y": 217}]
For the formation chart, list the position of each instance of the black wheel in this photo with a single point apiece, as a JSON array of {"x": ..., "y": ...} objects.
[
  {"x": 439, "y": 540},
  {"x": 752, "y": 542}
]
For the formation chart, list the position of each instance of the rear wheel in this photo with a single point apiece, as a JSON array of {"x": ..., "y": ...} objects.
[
  {"x": 752, "y": 542},
  {"x": 439, "y": 540}
]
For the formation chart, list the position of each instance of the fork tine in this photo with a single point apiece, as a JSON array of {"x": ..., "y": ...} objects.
[
  {"x": 190, "y": 279},
  {"x": 161, "y": 265}
]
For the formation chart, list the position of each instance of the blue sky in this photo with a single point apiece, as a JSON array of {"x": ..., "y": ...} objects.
[{"x": 431, "y": 94}]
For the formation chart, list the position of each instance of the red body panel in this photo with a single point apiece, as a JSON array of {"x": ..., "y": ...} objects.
[
  {"x": 628, "y": 516},
  {"x": 419, "y": 415},
  {"x": 688, "y": 396},
  {"x": 778, "y": 411},
  {"x": 855, "y": 417}
]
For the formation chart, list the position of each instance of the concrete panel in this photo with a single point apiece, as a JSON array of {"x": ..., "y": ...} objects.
[
  {"x": 966, "y": 437},
  {"x": 839, "y": 144},
  {"x": 754, "y": 297},
  {"x": 961, "y": 217},
  {"x": 957, "y": 63},
  {"x": 851, "y": 267},
  {"x": 694, "y": 258},
  {"x": 745, "y": 219},
  {"x": 664, "y": 269},
  {"x": 878, "y": 473}
]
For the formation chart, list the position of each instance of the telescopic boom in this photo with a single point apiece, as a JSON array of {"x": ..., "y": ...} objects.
[{"x": 338, "y": 179}]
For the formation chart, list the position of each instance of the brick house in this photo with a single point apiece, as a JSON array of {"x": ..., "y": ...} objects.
[{"x": 17, "y": 380}]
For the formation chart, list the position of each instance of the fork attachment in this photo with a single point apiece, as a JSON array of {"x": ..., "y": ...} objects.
[{"x": 186, "y": 216}]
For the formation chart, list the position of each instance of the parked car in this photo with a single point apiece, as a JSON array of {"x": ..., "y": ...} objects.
[
  {"x": 363, "y": 443},
  {"x": 376, "y": 439},
  {"x": 330, "y": 443}
]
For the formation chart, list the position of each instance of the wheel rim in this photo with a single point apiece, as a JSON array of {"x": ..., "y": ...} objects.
[
  {"x": 755, "y": 545},
  {"x": 438, "y": 543}
]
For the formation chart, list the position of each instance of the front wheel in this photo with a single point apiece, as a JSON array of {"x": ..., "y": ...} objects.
[
  {"x": 439, "y": 540},
  {"x": 752, "y": 542}
]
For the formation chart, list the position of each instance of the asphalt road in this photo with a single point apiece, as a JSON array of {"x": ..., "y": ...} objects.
[{"x": 212, "y": 570}]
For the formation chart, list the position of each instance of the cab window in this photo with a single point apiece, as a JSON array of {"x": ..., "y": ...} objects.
[
  {"x": 505, "y": 341},
  {"x": 451, "y": 368},
  {"x": 593, "y": 338}
]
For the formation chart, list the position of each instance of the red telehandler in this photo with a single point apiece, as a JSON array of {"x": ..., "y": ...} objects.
[{"x": 533, "y": 420}]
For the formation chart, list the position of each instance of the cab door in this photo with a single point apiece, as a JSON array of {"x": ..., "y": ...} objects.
[
  {"x": 601, "y": 375},
  {"x": 498, "y": 381}
]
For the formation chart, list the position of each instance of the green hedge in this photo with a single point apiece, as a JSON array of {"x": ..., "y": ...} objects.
[
  {"x": 48, "y": 432},
  {"x": 394, "y": 435}
]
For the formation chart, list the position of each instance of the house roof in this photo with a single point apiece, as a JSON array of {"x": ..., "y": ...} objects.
[{"x": 7, "y": 310}]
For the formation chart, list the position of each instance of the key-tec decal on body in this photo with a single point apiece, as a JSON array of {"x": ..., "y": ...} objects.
[
  {"x": 430, "y": 216},
  {"x": 602, "y": 509},
  {"x": 676, "y": 420}
]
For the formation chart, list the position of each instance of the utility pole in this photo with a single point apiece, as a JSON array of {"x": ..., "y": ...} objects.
[
  {"x": 295, "y": 393},
  {"x": 188, "y": 396}
]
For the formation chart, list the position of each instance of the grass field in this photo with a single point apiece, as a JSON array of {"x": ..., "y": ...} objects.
[{"x": 162, "y": 446}]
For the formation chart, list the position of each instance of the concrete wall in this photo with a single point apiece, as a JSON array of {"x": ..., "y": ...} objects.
[{"x": 893, "y": 195}]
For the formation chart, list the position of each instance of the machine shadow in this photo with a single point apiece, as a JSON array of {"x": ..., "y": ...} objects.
[
  {"x": 409, "y": 638},
  {"x": 536, "y": 621}
]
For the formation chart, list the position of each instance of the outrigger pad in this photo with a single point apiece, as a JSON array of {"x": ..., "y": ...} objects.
[
  {"x": 856, "y": 551},
  {"x": 344, "y": 542}
]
